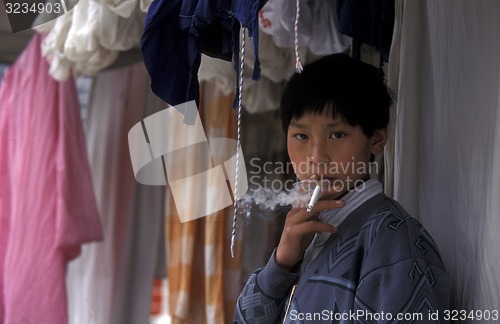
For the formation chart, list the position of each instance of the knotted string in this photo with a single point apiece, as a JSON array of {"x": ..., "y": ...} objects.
[
  {"x": 238, "y": 141},
  {"x": 298, "y": 64}
]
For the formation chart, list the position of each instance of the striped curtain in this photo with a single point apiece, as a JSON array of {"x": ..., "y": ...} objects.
[{"x": 204, "y": 281}]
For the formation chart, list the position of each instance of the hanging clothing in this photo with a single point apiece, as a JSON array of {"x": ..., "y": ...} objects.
[
  {"x": 277, "y": 66},
  {"x": 219, "y": 72},
  {"x": 318, "y": 27},
  {"x": 277, "y": 18},
  {"x": 370, "y": 22},
  {"x": 445, "y": 156},
  {"x": 177, "y": 32},
  {"x": 47, "y": 204},
  {"x": 89, "y": 38},
  {"x": 262, "y": 95},
  {"x": 111, "y": 282},
  {"x": 2, "y": 71}
]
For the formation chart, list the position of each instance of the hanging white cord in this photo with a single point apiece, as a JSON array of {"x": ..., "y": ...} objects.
[
  {"x": 298, "y": 64},
  {"x": 238, "y": 141}
]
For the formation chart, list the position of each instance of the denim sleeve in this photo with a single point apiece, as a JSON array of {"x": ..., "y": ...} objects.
[{"x": 264, "y": 295}]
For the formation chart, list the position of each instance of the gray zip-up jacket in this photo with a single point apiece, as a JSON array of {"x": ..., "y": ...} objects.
[{"x": 381, "y": 266}]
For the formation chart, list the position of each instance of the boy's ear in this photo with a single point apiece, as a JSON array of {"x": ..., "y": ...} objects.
[{"x": 379, "y": 139}]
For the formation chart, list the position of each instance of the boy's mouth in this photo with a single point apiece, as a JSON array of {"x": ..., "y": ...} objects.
[
  {"x": 327, "y": 182},
  {"x": 324, "y": 178}
]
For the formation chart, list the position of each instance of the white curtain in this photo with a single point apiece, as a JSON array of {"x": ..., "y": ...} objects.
[
  {"x": 444, "y": 159},
  {"x": 111, "y": 282}
]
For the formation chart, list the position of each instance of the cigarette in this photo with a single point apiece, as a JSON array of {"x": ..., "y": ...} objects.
[{"x": 314, "y": 199}]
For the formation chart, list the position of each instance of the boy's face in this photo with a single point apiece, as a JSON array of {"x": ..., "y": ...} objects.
[{"x": 332, "y": 149}]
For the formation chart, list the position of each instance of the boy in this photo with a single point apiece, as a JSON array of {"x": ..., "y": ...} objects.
[{"x": 358, "y": 256}]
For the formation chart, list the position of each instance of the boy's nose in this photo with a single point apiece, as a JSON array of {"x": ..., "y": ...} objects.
[{"x": 318, "y": 158}]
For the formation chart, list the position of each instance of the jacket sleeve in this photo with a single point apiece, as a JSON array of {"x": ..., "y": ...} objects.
[{"x": 264, "y": 295}]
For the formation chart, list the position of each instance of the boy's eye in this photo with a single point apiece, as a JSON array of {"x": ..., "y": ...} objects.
[
  {"x": 337, "y": 135},
  {"x": 300, "y": 136}
]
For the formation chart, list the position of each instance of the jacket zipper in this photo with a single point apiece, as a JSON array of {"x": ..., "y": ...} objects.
[{"x": 289, "y": 302}]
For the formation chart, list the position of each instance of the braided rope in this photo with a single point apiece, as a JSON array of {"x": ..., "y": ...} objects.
[
  {"x": 238, "y": 141},
  {"x": 298, "y": 64}
]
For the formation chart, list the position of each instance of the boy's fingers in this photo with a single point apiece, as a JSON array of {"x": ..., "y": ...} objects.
[
  {"x": 326, "y": 204},
  {"x": 299, "y": 214},
  {"x": 315, "y": 226}
]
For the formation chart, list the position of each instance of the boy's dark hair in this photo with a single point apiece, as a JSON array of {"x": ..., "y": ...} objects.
[{"x": 352, "y": 89}]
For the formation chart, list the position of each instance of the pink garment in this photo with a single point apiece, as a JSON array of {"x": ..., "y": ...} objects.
[{"x": 47, "y": 206}]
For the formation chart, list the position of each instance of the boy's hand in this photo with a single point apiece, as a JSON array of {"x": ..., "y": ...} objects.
[{"x": 299, "y": 230}]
